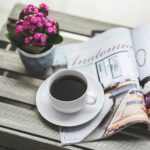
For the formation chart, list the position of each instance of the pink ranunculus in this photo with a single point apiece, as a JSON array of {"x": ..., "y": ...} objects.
[
  {"x": 25, "y": 11},
  {"x": 35, "y": 10},
  {"x": 37, "y": 36},
  {"x": 19, "y": 22},
  {"x": 38, "y": 18},
  {"x": 30, "y": 9},
  {"x": 53, "y": 22},
  {"x": 39, "y": 24},
  {"x": 44, "y": 20},
  {"x": 43, "y": 38},
  {"x": 44, "y": 7},
  {"x": 26, "y": 17},
  {"x": 32, "y": 28},
  {"x": 39, "y": 39},
  {"x": 48, "y": 24},
  {"x": 49, "y": 30},
  {"x": 27, "y": 40},
  {"x": 26, "y": 25},
  {"x": 19, "y": 29},
  {"x": 39, "y": 14},
  {"x": 33, "y": 19},
  {"x": 30, "y": 6}
]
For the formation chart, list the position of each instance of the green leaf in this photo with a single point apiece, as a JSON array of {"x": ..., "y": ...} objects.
[
  {"x": 34, "y": 49},
  {"x": 13, "y": 41},
  {"x": 11, "y": 27},
  {"x": 54, "y": 39},
  {"x": 21, "y": 16}
]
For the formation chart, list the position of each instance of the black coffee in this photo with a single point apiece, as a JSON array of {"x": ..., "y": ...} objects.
[{"x": 67, "y": 88}]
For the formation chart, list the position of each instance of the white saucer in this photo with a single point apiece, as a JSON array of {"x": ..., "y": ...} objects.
[{"x": 67, "y": 120}]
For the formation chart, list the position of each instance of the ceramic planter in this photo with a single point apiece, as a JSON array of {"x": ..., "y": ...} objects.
[{"x": 37, "y": 63}]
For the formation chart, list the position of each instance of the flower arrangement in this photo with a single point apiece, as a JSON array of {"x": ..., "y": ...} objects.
[{"x": 34, "y": 32}]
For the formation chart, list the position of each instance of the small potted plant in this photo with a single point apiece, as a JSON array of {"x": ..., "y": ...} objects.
[{"x": 35, "y": 36}]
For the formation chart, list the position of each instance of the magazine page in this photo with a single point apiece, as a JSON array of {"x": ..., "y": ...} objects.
[
  {"x": 108, "y": 56},
  {"x": 141, "y": 42},
  {"x": 109, "y": 59},
  {"x": 79, "y": 133},
  {"x": 128, "y": 109}
]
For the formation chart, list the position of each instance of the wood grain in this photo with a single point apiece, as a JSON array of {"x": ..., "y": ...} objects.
[
  {"x": 26, "y": 142},
  {"x": 29, "y": 122},
  {"x": 18, "y": 90}
]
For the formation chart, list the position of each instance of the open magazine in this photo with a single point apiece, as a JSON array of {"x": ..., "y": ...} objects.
[{"x": 120, "y": 60}]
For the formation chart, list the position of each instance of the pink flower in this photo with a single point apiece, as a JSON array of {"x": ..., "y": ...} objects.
[
  {"x": 19, "y": 29},
  {"x": 43, "y": 38},
  {"x": 49, "y": 30},
  {"x": 30, "y": 6},
  {"x": 39, "y": 39},
  {"x": 39, "y": 14},
  {"x": 48, "y": 24},
  {"x": 33, "y": 19},
  {"x": 51, "y": 27},
  {"x": 39, "y": 24},
  {"x": 52, "y": 21},
  {"x": 26, "y": 25},
  {"x": 35, "y": 27},
  {"x": 27, "y": 40},
  {"x": 35, "y": 10},
  {"x": 44, "y": 20},
  {"x": 44, "y": 7},
  {"x": 25, "y": 11},
  {"x": 32, "y": 28},
  {"x": 19, "y": 22},
  {"x": 37, "y": 36},
  {"x": 30, "y": 9}
]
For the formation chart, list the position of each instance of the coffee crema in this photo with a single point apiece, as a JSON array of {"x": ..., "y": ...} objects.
[{"x": 68, "y": 88}]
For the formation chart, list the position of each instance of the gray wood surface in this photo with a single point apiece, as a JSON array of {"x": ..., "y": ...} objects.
[
  {"x": 28, "y": 121},
  {"x": 21, "y": 126}
]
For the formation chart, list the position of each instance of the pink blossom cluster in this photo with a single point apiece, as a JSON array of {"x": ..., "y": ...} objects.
[
  {"x": 35, "y": 27},
  {"x": 38, "y": 39},
  {"x": 33, "y": 9}
]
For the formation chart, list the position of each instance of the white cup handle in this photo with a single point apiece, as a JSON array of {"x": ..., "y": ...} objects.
[{"x": 91, "y": 98}]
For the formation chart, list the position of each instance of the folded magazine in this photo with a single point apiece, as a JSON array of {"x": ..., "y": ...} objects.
[{"x": 120, "y": 60}]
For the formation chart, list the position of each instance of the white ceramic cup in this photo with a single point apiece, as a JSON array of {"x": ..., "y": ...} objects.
[{"x": 73, "y": 105}]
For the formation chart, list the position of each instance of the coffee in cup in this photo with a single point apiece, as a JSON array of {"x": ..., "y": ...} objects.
[{"x": 68, "y": 90}]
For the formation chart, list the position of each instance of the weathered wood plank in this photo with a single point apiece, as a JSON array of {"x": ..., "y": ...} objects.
[
  {"x": 70, "y": 23},
  {"x": 26, "y": 120},
  {"x": 11, "y": 61},
  {"x": 119, "y": 143},
  {"x": 18, "y": 90},
  {"x": 29, "y": 122},
  {"x": 2, "y": 34},
  {"x": 21, "y": 141}
]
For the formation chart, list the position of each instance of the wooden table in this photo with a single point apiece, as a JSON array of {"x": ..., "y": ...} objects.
[{"x": 21, "y": 126}]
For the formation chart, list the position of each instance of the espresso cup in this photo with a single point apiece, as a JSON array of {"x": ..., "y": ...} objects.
[{"x": 69, "y": 91}]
